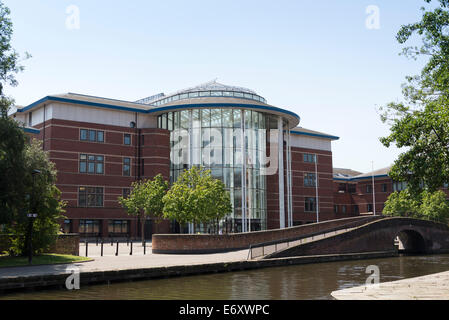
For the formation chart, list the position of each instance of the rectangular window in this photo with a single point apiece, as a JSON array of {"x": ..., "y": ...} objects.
[
  {"x": 100, "y": 136},
  {"x": 335, "y": 209},
  {"x": 127, "y": 139},
  {"x": 91, "y": 135},
  {"x": 310, "y": 204},
  {"x": 127, "y": 166},
  {"x": 90, "y": 196},
  {"x": 89, "y": 226},
  {"x": 343, "y": 209},
  {"x": 369, "y": 207},
  {"x": 384, "y": 187},
  {"x": 369, "y": 188},
  {"x": 91, "y": 164},
  {"x": 399, "y": 185},
  {"x": 356, "y": 209},
  {"x": 67, "y": 228},
  {"x": 351, "y": 188},
  {"x": 126, "y": 192},
  {"x": 309, "y": 180},
  {"x": 83, "y": 134},
  {"x": 118, "y": 226},
  {"x": 308, "y": 157}
]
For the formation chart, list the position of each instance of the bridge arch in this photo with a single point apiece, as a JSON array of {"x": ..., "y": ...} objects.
[{"x": 410, "y": 241}]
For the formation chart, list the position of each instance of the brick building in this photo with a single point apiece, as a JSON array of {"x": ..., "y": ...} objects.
[
  {"x": 353, "y": 191},
  {"x": 100, "y": 146}
]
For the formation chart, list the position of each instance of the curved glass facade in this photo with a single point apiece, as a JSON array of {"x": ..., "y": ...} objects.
[
  {"x": 212, "y": 138},
  {"x": 209, "y": 93}
]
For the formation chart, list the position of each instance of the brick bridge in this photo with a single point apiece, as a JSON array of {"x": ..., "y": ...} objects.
[{"x": 387, "y": 235}]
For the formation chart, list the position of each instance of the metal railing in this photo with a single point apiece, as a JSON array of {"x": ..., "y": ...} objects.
[{"x": 99, "y": 248}]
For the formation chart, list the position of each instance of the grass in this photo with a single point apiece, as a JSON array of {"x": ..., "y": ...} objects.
[{"x": 46, "y": 258}]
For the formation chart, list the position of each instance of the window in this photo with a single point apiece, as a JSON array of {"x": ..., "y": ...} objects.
[
  {"x": 30, "y": 119},
  {"x": 89, "y": 226},
  {"x": 127, "y": 139},
  {"x": 91, "y": 135},
  {"x": 83, "y": 134},
  {"x": 384, "y": 187},
  {"x": 126, "y": 192},
  {"x": 356, "y": 209},
  {"x": 67, "y": 227},
  {"x": 369, "y": 188},
  {"x": 126, "y": 166},
  {"x": 90, "y": 196},
  {"x": 399, "y": 185},
  {"x": 335, "y": 209},
  {"x": 91, "y": 164},
  {"x": 309, "y": 157},
  {"x": 118, "y": 226},
  {"x": 310, "y": 204},
  {"x": 343, "y": 209},
  {"x": 342, "y": 187},
  {"x": 351, "y": 188},
  {"x": 369, "y": 207},
  {"x": 309, "y": 180}
]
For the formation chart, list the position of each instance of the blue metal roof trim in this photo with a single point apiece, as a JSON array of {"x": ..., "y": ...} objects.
[
  {"x": 361, "y": 178},
  {"x": 316, "y": 135},
  {"x": 153, "y": 110},
  {"x": 86, "y": 103},
  {"x": 31, "y": 130},
  {"x": 206, "y": 105}
]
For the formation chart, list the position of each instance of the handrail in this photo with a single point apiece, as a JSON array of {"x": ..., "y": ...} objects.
[{"x": 344, "y": 227}]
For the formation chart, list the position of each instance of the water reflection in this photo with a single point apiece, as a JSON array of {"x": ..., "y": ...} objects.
[{"x": 313, "y": 281}]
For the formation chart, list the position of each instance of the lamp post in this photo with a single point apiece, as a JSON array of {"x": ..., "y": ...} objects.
[{"x": 31, "y": 216}]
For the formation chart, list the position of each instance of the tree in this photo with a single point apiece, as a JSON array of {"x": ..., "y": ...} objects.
[
  {"x": 402, "y": 204},
  {"x": 426, "y": 205},
  {"x": 421, "y": 123},
  {"x": 145, "y": 199},
  {"x": 434, "y": 206},
  {"x": 197, "y": 198},
  {"x": 40, "y": 196}
]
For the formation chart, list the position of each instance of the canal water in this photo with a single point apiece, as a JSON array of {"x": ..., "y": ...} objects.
[{"x": 312, "y": 281}]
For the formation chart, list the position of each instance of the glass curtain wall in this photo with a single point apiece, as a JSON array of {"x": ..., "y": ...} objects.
[{"x": 212, "y": 138}]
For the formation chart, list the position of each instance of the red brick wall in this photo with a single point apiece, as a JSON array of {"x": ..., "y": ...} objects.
[
  {"x": 207, "y": 243},
  {"x": 62, "y": 141}
]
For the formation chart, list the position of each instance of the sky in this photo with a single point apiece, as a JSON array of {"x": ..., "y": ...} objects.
[{"x": 334, "y": 63}]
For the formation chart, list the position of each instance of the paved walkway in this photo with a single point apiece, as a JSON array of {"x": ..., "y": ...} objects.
[
  {"x": 124, "y": 261},
  {"x": 429, "y": 287}
]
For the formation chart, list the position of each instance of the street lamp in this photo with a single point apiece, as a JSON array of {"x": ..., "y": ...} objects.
[{"x": 31, "y": 216}]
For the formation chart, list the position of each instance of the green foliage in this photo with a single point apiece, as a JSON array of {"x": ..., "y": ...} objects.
[
  {"x": 420, "y": 125},
  {"x": 425, "y": 205},
  {"x": 197, "y": 197},
  {"x": 40, "y": 196},
  {"x": 146, "y": 196},
  {"x": 434, "y": 206},
  {"x": 401, "y": 203}
]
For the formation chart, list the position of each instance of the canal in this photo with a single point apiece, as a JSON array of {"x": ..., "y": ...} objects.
[{"x": 312, "y": 281}]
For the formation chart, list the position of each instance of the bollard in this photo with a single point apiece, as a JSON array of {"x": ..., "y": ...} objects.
[
  {"x": 97, "y": 241},
  {"x": 131, "y": 251},
  {"x": 144, "y": 247},
  {"x": 116, "y": 250},
  {"x": 86, "y": 247},
  {"x": 101, "y": 247}
]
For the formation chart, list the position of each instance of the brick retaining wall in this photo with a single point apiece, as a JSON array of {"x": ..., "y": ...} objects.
[
  {"x": 210, "y": 243},
  {"x": 65, "y": 244}
]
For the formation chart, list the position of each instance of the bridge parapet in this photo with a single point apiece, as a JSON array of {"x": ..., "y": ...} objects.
[{"x": 378, "y": 236}]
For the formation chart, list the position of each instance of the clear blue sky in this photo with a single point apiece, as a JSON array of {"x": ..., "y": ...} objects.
[{"x": 316, "y": 58}]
